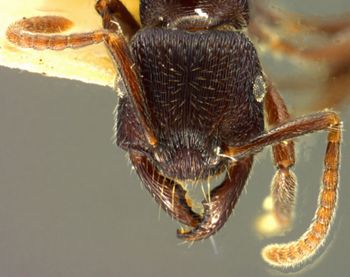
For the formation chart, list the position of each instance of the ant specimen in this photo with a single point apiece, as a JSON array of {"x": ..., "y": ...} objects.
[{"x": 192, "y": 102}]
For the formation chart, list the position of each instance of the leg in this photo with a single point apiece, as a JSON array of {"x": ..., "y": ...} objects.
[
  {"x": 295, "y": 252},
  {"x": 35, "y": 32},
  {"x": 284, "y": 182}
]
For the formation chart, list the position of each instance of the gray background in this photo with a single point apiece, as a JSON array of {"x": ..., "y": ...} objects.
[{"x": 71, "y": 206}]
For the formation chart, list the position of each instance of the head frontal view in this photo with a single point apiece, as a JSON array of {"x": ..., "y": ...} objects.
[{"x": 196, "y": 104}]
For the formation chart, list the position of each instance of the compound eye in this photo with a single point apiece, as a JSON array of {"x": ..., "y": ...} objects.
[{"x": 259, "y": 88}]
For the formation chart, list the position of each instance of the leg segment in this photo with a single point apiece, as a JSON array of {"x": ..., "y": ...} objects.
[
  {"x": 35, "y": 32},
  {"x": 219, "y": 205},
  {"x": 295, "y": 252},
  {"x": 284, "y": 182}
]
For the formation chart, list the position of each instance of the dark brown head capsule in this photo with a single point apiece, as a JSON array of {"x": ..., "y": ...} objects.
[{"x": 197, "y": 77}]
